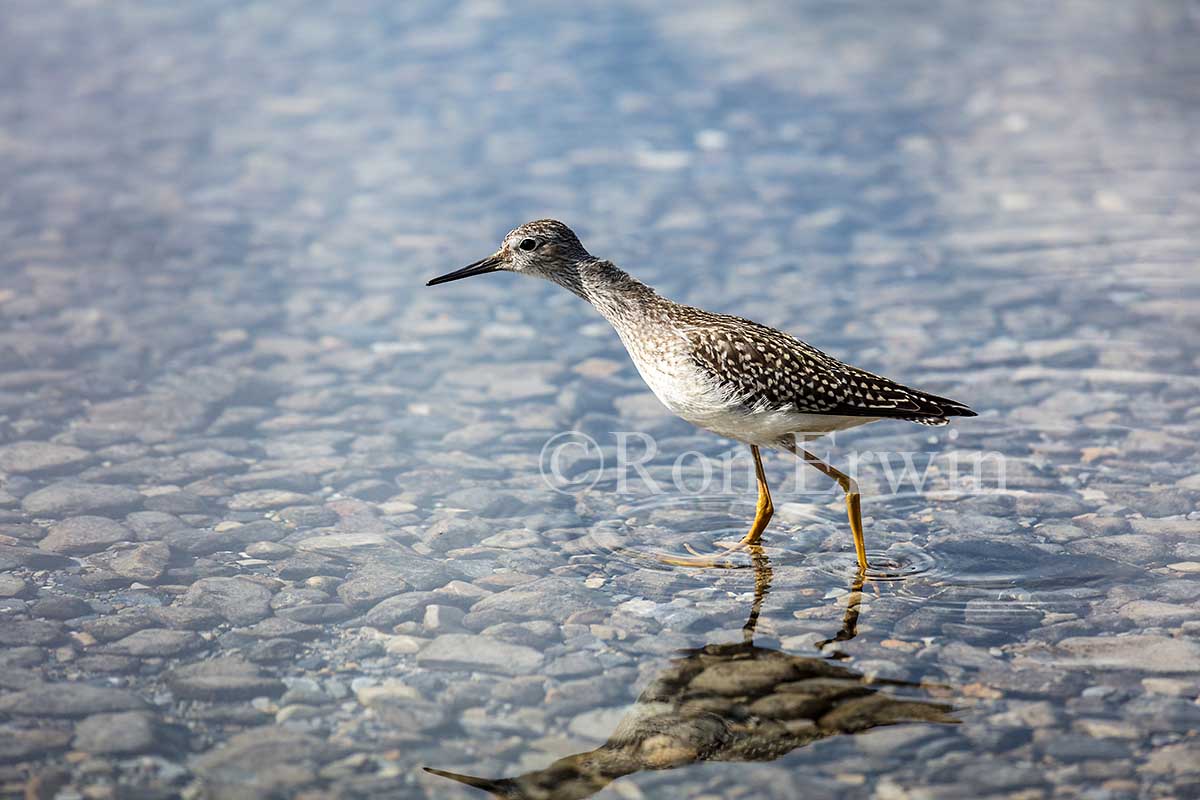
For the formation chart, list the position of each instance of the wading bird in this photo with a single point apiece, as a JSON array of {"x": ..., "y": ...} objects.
[{"x": 725, "y": 374}]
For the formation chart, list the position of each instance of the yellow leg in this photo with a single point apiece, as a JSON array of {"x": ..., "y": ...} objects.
[
  {"x": 853, "y": 502},
  {"x": 764, "y": 509}
]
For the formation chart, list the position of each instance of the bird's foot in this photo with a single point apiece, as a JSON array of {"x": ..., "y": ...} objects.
[
  {"x": 722, "y": 559},
  {"x": 714, "y": 561},
  {"x": 725, "y": 550}
]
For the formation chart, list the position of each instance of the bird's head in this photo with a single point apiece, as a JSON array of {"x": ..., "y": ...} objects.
[{"x": 544, "y": 248}]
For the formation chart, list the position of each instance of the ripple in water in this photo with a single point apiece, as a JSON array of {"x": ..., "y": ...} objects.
[
  {"x": 908, "y": 548},
  {"x": 664, "y": 527}
]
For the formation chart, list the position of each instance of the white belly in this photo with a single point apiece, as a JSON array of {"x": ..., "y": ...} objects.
[{"x": 693, "y": 396}]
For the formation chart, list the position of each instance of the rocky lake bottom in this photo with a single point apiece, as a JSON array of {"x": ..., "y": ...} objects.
[{"x": 274, "y": 517}]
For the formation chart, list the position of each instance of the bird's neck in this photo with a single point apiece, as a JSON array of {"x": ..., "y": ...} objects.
[{"x": 621, "y": 298}]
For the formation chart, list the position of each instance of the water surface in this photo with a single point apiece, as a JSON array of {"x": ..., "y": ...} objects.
[{"x": 274, "y": 521}]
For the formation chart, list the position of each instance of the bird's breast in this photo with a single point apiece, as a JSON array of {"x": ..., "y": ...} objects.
[{"x": 694, "y": 395}]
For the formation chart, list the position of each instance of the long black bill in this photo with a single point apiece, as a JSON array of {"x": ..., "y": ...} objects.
[
  {"x": 495, "y": 787},
  {"x": 481, "y": 267}
]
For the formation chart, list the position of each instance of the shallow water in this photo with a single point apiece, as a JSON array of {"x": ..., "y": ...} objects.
[{"x": 295, "y": 536}]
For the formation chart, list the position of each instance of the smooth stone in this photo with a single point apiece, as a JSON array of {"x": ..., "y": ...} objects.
[
  {"x": 317, "y": 613},
  {"x": 401, "y": 608},
  {"x": 513, "y": 540},
  {"x": 342, "y": 542},
  {"x": 303, "y": 566},
  {"x": 151, "y": 417},
  {"x": 325, "y": 583},
  {"x": 16, "y": 556},
  {"x": 442, "y": 618},
  {"x": 1182, "y": 758},
  {"x": 233, "y": 538},
  {"x": 455, "y": 531},
  {"x": 461, "y": 594},
  {"x": 309, "y": 516},
  {"x": 14, "y": 586},
  {"x": 535, "y": 633},
  {"x": 156, "y": 642},
  {"x": 23, "y": 633},
  {"x": 185, "y": 617},
  {"x": 370, "y": 489},
  {"x": 223, "y": 679},
  {"x": 112, "y": 627},
  {"x": 1171, "y": 526},
  {"x": 267, "y": 761},
  {"x": 1173, "y": 687},
  {"x": 122, "y": 733},
  {"x": 304, "y": 690},
  {"x": 491, "y": 503},
  {"x": 1138, "y": 548},
  {"x": 279, "y": 628},
  {"x": 1043, "y": 505},
  {"x": 266, "y": 500},
  {"x": 153, "y": 525},
  {"x": 27, "y": 531},
  {"x": 269, "y": 551},
  {"x": 70, "y": 700},
  {"x": 1141, "y": 652},
  {"x": 573, "y": 665},
  {"x": 423, "y": 574},
  {"x": 14, "y": 677},
  {"x": 84, "y": 535},
  {"x": 1072, "y": 748},
  {"x": 389, "y": 692},
  {"x": 145, "y": 562},
  {"x": 291, "y": 596},
  {"x": 13, "y": 606},
  {"x": 273, "y": 479},
  {"x": 403, "y": 645},
  {"x": 103, "y": 662},
  {"x": 1153, "y": 612},
  {"x": 239, "y": 600},
  {"x": 29, "y": 458},
  {"x": 20, "y": 657},
  {"x": 271, "y": 651},
  {"x": 60, "y": 607},
  {"x": 478, "y": 653},
  {"x": 1010, "y": 616},
  {"x": 1167, "y": 503},
  {"x": 298, "y": 711},
  {"x": 550, "y": 598},
  {"x": 26, "y": 744},
  {"x": 1036, "y": 567},
  {"x": 182, "y": 502},
  {"x": 370, "y": 585},
  {"x": 74, "y": 499}
]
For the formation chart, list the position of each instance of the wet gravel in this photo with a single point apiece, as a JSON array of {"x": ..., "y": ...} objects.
[{"x": 272, "y": 519}]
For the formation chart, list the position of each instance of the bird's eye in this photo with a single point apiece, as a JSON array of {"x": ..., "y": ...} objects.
[{"x": 527, "y": 244}]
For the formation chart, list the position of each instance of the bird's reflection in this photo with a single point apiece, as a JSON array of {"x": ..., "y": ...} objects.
[{"x": 727, "y": 702}]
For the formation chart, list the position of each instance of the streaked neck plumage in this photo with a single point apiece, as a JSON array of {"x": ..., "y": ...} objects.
[{"x": 621, "y": 298}]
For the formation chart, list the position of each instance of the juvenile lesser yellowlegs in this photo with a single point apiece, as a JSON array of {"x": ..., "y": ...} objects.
[{"x": 725, "y": 374}]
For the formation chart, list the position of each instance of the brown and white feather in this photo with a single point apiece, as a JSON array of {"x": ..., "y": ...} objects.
[{"x": 726, "y": 374}]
